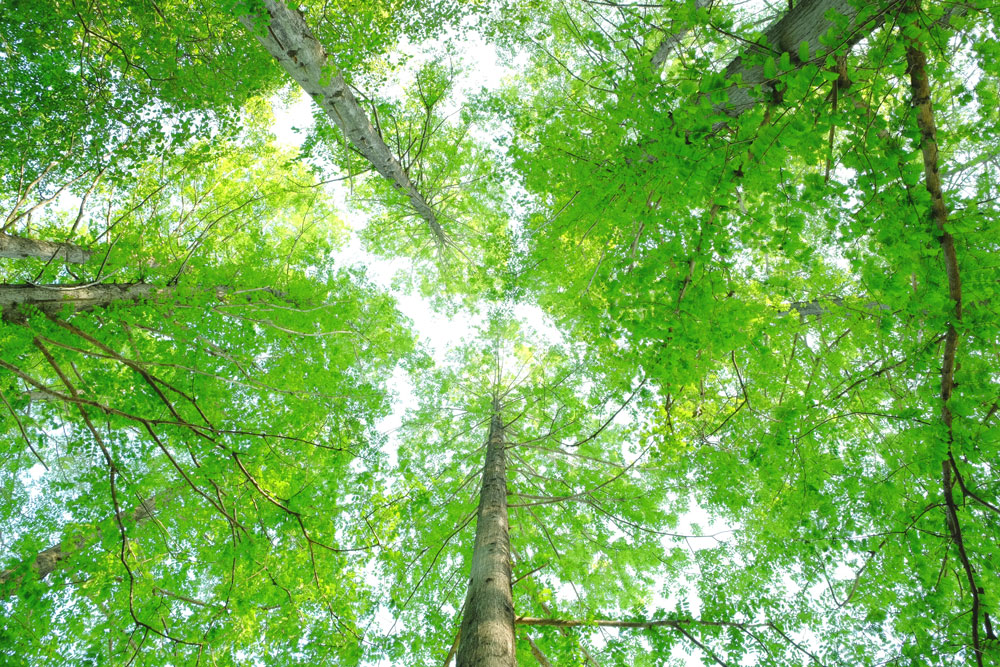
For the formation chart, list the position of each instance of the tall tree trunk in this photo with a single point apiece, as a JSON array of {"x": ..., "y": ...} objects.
[
  {"x": 806, "y": 22},
  {"x": 487, "y": 633},
  {"x": 291, "y": 42},
  {"x": 916, "y": 62},
  {"x": 53, "y": 298},
  {"x": 17, "y": 247}
]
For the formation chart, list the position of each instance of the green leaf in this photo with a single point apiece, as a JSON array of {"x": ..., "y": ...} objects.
[
  {"x": 770, "y": 68},
  {"x": 804, "y": 51}
]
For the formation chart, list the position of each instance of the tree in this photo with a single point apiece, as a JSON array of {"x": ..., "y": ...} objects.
[
  {"x": 287, "y": 37},
  {"x": 88, "y": 81},
  {"x": 837, "y": 213},
  {"x": 567, "y": 498}
]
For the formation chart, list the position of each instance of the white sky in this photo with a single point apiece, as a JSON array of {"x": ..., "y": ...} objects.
[{"x": 438, "y": 332}]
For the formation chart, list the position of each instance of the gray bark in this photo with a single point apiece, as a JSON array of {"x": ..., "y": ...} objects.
[
  {"x": 487, "y": 632},
  {"x": 672, "y": 39},
  {"x": 17, "y": 247},
  {"x": 52, "y": 298},
  {"x": 804, "y": 23},
  {"x": 46, "y": 562},
  {"x": 540, "y": 657},
  {"x": 290, "y": 41}
]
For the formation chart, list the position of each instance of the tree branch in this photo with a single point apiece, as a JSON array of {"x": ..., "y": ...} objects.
[
  {"x": 18, "y": 247},
  {"x": 289, "y": 39}
]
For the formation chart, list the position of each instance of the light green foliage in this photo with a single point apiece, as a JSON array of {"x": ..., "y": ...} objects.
[
  {"x": 238, "y": 399},
  {"x": 458, "y": 174},
  {"x": 84, "y": 80},
  {"x": 820, "y": 437}
]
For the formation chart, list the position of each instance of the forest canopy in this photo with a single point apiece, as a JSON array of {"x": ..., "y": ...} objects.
[{"x": 568, "y": 332}]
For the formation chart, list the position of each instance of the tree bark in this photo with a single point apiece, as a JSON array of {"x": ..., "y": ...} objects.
[
  {"x": 290, "y": 41},
  {"x": 487, "y": 633},
  {"x": 806, "y": 22},
  {"x": 672, "y": 39},
  {"x": 17, "y": 247},
  {"x": 53, "y": 298},
  {"x": 46, "y": 562},
  {"x": 537, "y": 653}
]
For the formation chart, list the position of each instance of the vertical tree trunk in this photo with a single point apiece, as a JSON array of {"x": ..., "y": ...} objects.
[
  {"x": 916, "y": 62},
  {"x": 17, "y": 247},
  {"x": 487, "y": 634}
]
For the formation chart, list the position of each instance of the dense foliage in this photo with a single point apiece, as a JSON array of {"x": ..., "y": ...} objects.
[{"x": 755, "y": 421}]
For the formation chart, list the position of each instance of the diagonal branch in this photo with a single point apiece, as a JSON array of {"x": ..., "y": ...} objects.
[
  {"x": 48, "y": 560},
  {"x": 805, "y": 22},
  {"x": 672, "y": 39},
  {"x": 288, "y": 38},
  {"x": 536, "y": 652}
]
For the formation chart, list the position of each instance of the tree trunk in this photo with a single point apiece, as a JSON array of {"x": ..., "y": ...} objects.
[
  {"x": 487, "y": 633},
  {"x": 53, "y": 298},
  {"x": 291, "y": 42},
  {"x": 672, "y": 39},
  {"x": 806, "y": 22},
  {"x": 17, "y": 247},
  {"x": 916, "y": 62},
  {"x": 540, "y": 657}
]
